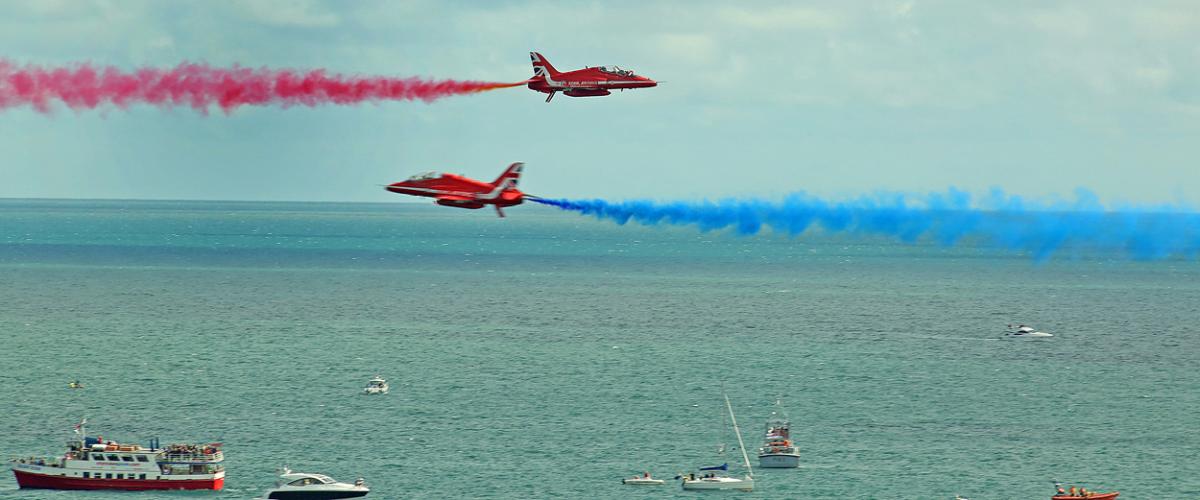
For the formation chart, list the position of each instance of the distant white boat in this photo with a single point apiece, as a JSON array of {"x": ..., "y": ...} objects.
[
  {"x": 1025, "y": 332},
  {"x": 710, "y": 479},
  {"x": 377, "y": 385},
  {"x": 778, "y": 450}
]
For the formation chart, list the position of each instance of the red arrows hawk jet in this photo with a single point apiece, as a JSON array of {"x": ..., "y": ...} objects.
[
  {"x": 457, "y": 191},
  {"x": 587, "y": 82}
]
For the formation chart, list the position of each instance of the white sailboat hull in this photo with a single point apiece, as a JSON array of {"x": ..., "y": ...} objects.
[
  {"x": 779, "y": 460},
  {"x": 719, "y": 483}
]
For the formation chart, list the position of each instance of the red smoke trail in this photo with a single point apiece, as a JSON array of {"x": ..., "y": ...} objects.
[{"x": 84, "y": 86}]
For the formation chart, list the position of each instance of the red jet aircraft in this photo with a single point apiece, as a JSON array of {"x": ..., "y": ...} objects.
[
  {"x": 457, "y": 191},
  {"x": 587, "y": 82}
]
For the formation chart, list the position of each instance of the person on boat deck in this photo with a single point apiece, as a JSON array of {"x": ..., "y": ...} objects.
[
  {"x": 1073, "y": 490},
  {"x": 646, "y": 475},
  {"x": 1061, "y": 491}
]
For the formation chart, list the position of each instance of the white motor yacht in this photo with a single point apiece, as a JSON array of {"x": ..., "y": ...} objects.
[
  {"x": 300, "y": 485},
  {"x": 778, "y": 450},
  {"x": 710, "y": 479},
  {"x": 1025, "y": 332},
  {"x": 377, "y": 385}
]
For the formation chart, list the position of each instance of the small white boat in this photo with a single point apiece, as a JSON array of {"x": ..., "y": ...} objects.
[
  {"x": 377, "y": 385},
  {"x": 710, "y": 479},
  {"x": 300, "y": 485},
  {"x": 1025, "y": 332},
  {"x": 642, "y": 480}
]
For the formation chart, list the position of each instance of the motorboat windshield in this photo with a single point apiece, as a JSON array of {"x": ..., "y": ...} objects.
[
  {"x": 424, "y": 176},
  {"x": 311, "y": 479},
  {"x": 303, "y": 478}
]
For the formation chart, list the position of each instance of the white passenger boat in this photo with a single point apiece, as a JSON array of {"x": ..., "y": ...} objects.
[
  {"x": 307, "y": 486},
  {"x": 778, "y": 450},
  {"x": 93, "y": 463},
  {"x": 377, "y": 385},
  {"x": 717, "y": 478},
  {"x": 1025, "y": 332}
]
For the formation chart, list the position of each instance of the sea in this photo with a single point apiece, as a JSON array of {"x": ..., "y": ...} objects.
[{"x": 550, "y": 355}]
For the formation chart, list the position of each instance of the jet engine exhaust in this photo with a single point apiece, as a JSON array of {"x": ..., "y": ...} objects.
[
  {"x": 200, "y": 86},
  {"x": 950, "y": 218}
]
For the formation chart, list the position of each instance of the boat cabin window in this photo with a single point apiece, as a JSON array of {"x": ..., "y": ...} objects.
[
  {"x": 305, "y": 481},
  {"x": 87, "y": 475},
  {"x": 424, "y": 176},
  {"x": 141, "y": 476},
  {"x": 141, "y": 458},
  {"x": 126, "y": 458},
  {"x": 108, "y": 475},
  {"x": 120, "y": 476},
  {"x": 113, "y": 458}
]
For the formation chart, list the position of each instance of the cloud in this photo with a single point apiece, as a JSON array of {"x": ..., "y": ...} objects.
[
  {"x": 693, "y": 48},
  {"x": 1157, "y": 76},
  {"x": 780, "y": 18},
  {"x": 298, "y": 13},
  {"x": 1064, "y": 21}
]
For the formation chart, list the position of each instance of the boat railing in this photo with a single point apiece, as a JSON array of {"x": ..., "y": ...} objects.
[
  {"x": 187, "y": 457},
  {"x": 186, "y": 469},
  {"x": 39, "y": 461}
]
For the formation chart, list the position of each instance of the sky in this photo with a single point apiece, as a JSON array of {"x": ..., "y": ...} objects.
[{"x": 759, "y": 99}]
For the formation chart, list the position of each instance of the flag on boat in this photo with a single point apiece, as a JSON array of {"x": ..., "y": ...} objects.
[{"x": 724, "y": 466}]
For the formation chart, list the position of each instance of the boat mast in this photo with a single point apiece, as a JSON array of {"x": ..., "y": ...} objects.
[
  {"x": 79, "y": 429},
  {"x": 741, "y": 445}
]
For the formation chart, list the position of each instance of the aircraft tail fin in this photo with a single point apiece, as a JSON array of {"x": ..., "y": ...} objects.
[
  {"x": 508, "y": 179},
  {"x": 541, "y": 67}
]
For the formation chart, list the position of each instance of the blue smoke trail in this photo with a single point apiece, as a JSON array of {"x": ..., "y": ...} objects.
[{"x": 998, "y": 220}]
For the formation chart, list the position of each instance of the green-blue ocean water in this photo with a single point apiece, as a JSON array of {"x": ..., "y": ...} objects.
[{"x": 547, "y": 355}]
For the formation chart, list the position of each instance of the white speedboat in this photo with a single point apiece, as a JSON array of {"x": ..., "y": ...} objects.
[
  {"x": 642, "y": 480},
  {"x": 377, "y": 385},
  {"x": 778, "y": 450},
  {"x": 716, "y": 478},
  {"x": 1025, "y": 332},
  {"x": 300, "y": 485}
]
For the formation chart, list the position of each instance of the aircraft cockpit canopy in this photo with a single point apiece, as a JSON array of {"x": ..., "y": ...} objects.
[
  {"x": 424, "y": 176},
  {"x": 616, "y": 70}
]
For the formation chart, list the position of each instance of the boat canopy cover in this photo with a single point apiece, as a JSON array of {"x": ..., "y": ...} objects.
[{"x": 724, "y": 466}]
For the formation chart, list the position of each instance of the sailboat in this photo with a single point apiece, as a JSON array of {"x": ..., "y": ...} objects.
[{"x": 710, "y": 479}]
